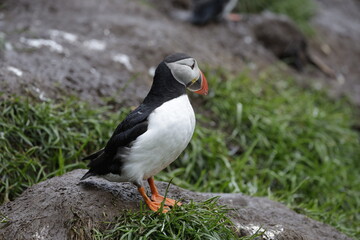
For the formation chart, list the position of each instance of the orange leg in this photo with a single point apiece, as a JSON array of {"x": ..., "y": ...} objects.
[
  {"x": 154, "y": 206},
  {"x": 156, "y": 197}
]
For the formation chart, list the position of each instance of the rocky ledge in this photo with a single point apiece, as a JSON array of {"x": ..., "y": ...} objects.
[{"x": 55, "y": 208}]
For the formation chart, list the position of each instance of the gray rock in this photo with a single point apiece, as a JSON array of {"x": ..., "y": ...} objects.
[{"x": 65, "y": 208}]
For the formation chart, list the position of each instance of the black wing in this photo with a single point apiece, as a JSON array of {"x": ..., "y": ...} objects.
[
  {"x": 139, "y": 115},
  {"x": 135, "y": 124}
]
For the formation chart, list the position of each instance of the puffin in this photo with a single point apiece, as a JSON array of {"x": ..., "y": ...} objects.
[
  {"x": 205, "y": 11},
  {"x": 154, "y": 134}
]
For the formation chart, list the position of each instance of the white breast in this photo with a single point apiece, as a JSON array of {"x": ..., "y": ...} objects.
[{"x": 170, "y": 129}]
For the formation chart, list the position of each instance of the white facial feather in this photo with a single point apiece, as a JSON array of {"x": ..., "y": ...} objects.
[{"x": 182, "y": 70}]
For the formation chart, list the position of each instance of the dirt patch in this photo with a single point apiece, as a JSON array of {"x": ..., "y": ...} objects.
[
  {"x": 53, "y": 49},
  {"x": 64, "y": 208},
  {"x": 58, "y": 48},
  {"x": 104, "y": 52}
]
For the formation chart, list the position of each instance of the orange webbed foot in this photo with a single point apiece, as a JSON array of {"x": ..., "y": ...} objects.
[
  {"x": 156, "y": 197},
  {"x": 154, "y": 206},
  {"x": 168, "y": 201}
]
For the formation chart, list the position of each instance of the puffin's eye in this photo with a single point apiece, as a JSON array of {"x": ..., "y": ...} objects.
[{"x": 193, "y": 65}]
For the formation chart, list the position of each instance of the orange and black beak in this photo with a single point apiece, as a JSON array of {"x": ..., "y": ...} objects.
[{"x": 199, "y": 85}]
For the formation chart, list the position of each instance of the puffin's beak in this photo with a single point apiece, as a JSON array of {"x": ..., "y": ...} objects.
[
  {"x": 204, "y": 85},
  {"x": 199, "y": 85}
]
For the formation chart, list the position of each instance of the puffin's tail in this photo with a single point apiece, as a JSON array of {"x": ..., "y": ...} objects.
[
  {"x": 93, "y": 155},
  {"x": 88, "y": 174},
  {"x": 96, "y": 162}
]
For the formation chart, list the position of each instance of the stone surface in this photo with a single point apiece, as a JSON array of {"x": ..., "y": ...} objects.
[{"x": 65, "y": 208}]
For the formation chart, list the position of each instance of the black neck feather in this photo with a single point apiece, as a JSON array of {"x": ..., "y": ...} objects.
[{"x": 165, "y": 87}]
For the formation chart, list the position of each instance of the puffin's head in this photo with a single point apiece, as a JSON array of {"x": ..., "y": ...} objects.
[{"x": 186, "y": 71}]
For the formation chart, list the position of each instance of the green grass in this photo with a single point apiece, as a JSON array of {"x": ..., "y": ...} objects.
[
  {"x": 41, "y": 140},
  {"x": 204, "y": 220},
  {"x": 264, "y": 137},
  {"x": 301, "y": 11}
]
